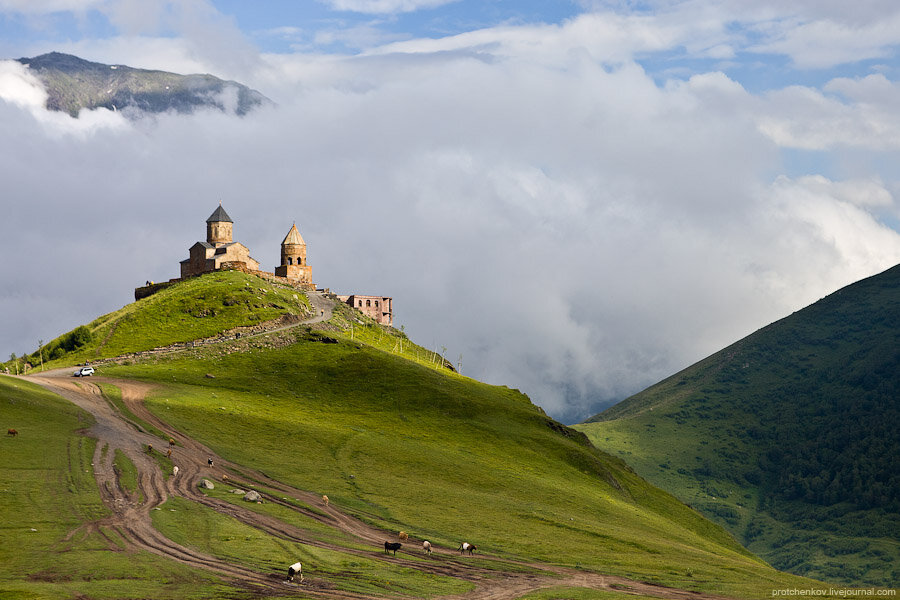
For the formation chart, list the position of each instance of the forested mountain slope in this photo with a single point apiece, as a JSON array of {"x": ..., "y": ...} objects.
[{"x": 788, "y": 437}]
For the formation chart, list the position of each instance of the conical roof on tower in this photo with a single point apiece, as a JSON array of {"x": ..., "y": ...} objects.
[
  {"x": 293, "y": 237},
  {"x": 219, "y": 216}
]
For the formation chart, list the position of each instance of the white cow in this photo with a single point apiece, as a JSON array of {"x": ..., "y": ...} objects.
[{"x": 295, "y": 569}]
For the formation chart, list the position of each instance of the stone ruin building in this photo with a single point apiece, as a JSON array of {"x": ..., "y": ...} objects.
[
  {"x": 221, "y": 253},
  {"x": 377, "y": 307}
]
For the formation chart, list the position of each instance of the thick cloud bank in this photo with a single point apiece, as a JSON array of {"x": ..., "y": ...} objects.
[{"x": 571, "y": 228}]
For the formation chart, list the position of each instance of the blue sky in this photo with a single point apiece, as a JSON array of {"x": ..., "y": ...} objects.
[{"x": 577, "y": 199}]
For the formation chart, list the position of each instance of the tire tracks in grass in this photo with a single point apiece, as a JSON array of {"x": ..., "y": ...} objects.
[{"x": 493, "y": 578}]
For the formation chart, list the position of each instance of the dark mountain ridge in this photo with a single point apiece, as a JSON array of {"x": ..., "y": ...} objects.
[
  {"x": 787, "y": 437},
  {"x": 73, "y": 83}
]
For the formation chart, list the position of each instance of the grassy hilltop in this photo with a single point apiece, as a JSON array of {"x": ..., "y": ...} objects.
[
  {"x": 788, "y": 437},
  {"x": 353, "y": 410}
]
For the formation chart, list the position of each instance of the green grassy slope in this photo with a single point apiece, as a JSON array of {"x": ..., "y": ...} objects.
[
  {"x": 358, "y": 412},
  {"x": 788, "y": 438},
  {"x": 443, "y": 457},
  {"x": 196, "y": 308},
  {"x": 47, "y": 492}
]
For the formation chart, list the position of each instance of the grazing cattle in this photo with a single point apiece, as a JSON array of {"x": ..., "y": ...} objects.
[
  {"x": 224, "y": 477},
  {"x": 149, "y": 448},
  {"x": 169, "y": 453},
  {"x": 174, "y": 470},
  {"x": 426, "y": 547},
  {"x": 293, "y": 570},
  {"x": 171, "y": 442},
  {"x": 403, "y": 536},
  {"x": 325, "y": 499},
  {"x": 12, "y": 432},
  {"x": 467, "y": 547},
  {"x": 209, "y": 462},
  {"x": 388, "y": 546}
]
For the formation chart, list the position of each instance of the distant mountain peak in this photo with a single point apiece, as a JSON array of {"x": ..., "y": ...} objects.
[{"x": 73, "y": 83}]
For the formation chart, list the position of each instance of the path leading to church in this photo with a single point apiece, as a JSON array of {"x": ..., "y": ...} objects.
[{"x": 131, "y": 512}]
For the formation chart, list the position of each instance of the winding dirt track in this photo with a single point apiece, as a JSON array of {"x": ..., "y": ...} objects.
[{"x": 131, "y": 515}]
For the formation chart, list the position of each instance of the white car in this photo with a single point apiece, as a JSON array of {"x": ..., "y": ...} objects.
[{"x": 83, "y": 372}]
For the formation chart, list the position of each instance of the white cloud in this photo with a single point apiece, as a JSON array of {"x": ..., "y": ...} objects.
[
  {"x": 857, "y": 113},
  {"x": 824, "y": 43},
  {"x": 22, "y": 90},
  {"x": 385, "y": 6},
  {"x": 29, "y": 7},
  {"x": 19, "y": 86}
]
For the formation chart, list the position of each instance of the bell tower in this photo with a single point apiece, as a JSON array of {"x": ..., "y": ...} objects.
[
  {"x": 219, "y": 227},
  {"x": 293, "y": 258}
]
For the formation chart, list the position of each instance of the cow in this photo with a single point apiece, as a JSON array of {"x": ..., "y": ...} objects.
[
  {"x": 295, "y": 569},
  {"x": 403, "y": 536},
  {"x": 171, "y": 442},
  {"x": 426, "y": 547},
  {"x": 174, "y": 470},
  {"x": 389, "y": 546},
  {"x": 12, "y": 432},
  {"x": 209, "y": 462},
  {"x": 467, "y": 547},
  {"x": 325, "y": 499}
]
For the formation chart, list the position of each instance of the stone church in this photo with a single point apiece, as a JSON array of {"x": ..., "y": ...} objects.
[{"x": 220, "y": 253}]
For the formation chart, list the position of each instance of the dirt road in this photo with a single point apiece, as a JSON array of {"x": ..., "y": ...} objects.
[{"x": 131, "y": 513}]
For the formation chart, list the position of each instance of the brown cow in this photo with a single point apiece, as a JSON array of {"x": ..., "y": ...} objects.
[{"x": 12, "y": 432}]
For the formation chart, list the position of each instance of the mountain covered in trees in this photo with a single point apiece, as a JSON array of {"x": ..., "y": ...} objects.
[
  {"x": 788, "y": 437},
  {"x": 73, "y": 83}
]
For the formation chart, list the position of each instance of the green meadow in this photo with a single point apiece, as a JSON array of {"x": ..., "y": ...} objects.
[
  {"x": 406, "y": 446},
  {"x": 355, "y": 411},
  {"x": 48, "y": 495}
]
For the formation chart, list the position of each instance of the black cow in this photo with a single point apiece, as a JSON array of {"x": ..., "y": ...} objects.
[{"x": 388, "y": 546}]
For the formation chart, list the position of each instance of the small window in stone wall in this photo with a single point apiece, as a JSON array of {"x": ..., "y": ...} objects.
[
  {"x": 360, "y": 302},
  {"x": 376, "y": 304},
  {"x": 368, "y": 303},
  {"x": 290, "y": 260}
]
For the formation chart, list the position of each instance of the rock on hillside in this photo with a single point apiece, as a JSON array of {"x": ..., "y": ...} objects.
[{"x": 73, "y": 83}]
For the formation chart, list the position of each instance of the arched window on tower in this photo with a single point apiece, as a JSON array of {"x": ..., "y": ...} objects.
[
  {"x": 368, "y": 303},
  {"x": 290, "y": 260}
]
